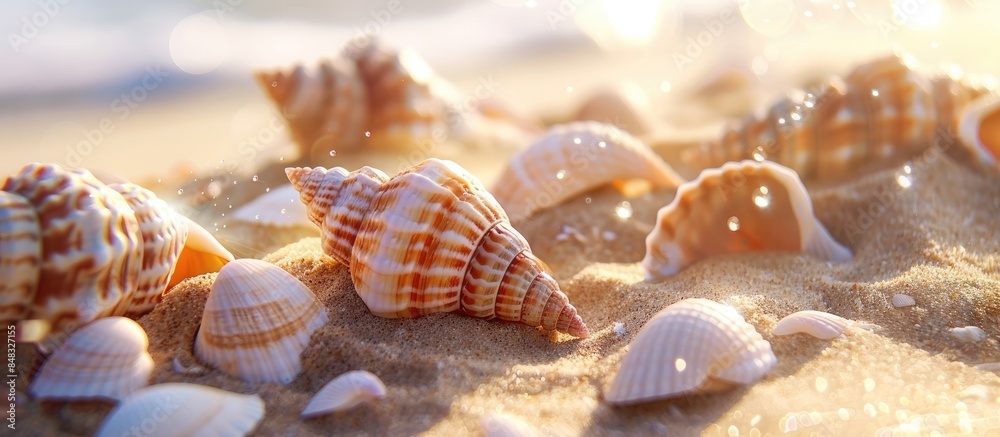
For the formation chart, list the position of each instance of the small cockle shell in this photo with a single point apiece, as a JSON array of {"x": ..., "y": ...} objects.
[
  {"x": 746, "y": 206},
  {"x": 505, "y": 425},
  {"x": 572, "y": 159},
  {"x": 969, "y": 334},
  {"x": 324, "y": 109},
  {"x": 902, "y": 300},
  {"x": 345, "y": 392},
  {"x": 184, "y": 410},
  {"x": 818, "y": 324},
  {"x": 99, "y": 250},
  {"x": 692, "y": 346},
  {"x": 979, "y": 128},
  {"x": 258, "y": 319},
  {"x": 431, "y": 239},
  {"x": 105, "y": 359}
]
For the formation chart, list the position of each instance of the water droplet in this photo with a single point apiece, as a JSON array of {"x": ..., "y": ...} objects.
[
  {"x": 561, "y": 174},
  {"x": 234, "y": 182},
  {"x": 680, "y": 364},
  {"x": 623, "y": 210},
  {"x": 761, "y": 198},
  {"x": 875, "y": 93},
  {"x": 274, "y": 84},
  {"x": 587, "y": 201},
  {"x": 256, "y": 217},
  {"x": 781, "y": 120},
  {"x": 796, "y": 113},
  {"x": 821, "y": 384},
  {"x": 602, "y": 144},
  {"x": 733, "y": 223},
  {"x": 576, "y": 141},
  {"x": 759, "y": 154},
  {"x": 214, "y": 189},
  {"x": 809, "y": 101},
  {"x": 157, "y": 181},
  {"x": 569, "y": 89},
  {"x": 665, "y": 86},
  {"x": 368, "y": 134},
  {"x": 283, "y": 210},
  {"x": 267, "y": 190},
  {"x": 904, "y": 176},
  {"x": 281, "y": 158},
  {"x": 180, "y": 191},
  {"x": 255, "y": 178},
  {"x": 333, "y": 153},
  {"x": 222, "y": 161}
]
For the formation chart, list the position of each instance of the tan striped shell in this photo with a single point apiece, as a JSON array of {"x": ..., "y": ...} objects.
[
  {"x": 739, "y": 207},
  {"x": 691, "y": 346},
  {"x": 572, "y": 159},
  {"x": 821, "y": 325},
  {"x": 76, "y": 249},
  {"x": 431, "y": 239},
  {"x": 882, "y": 113}
]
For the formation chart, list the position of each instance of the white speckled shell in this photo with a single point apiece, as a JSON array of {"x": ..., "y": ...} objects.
[
  {"x": 815, "y": 323},
  {"x": 902, "y": 300},
  {"x": 698, "y": 223},
  {"x": 506, "y": 425},
  {"x": 184, "y": 410},
  {"x": 979, "y": 128},
  {"x": 431, "y": 239},
  {"x": 695, "y": 345},
  {"x": 969, "y": 334},
  {"x": 345, "y": 392},
  {"x": 20, "y": 256},
  {"x": 279, "y": 207},
  {"x": 258, "y": 319},
  {"x": 106, "y": 359},
  {"x": 572, "y": 159}
]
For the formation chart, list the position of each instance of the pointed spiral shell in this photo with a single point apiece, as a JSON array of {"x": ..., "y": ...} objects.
[{"x": 431, "y": 239}]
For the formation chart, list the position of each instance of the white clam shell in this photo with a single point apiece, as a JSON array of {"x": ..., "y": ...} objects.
[
  {"x": 695, "y": 345},
  {"x": 345, "y": 392},
  {"x": 815, "y": 323},
  {"x": 258, "y": 319},
  {"x": 969, "y": 334},
  {"x": 902, "y": 300},
  {"x": 106, "y": 359},
  {"x": 177, "y": 409},
  {"x": 279, "y": 207},
  {"x": 506, "y": 425}
]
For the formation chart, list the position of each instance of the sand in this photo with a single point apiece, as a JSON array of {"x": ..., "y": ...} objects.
[{"x": 896, "y": 367}]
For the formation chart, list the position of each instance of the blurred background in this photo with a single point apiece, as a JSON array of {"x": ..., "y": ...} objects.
[{"x": 155, "y": 89}]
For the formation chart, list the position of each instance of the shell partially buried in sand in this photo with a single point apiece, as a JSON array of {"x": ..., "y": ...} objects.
[
  {"x": 746, "y": 206},
  {"x": 428, "y": 240},
  {"x": 345, "y": 392},
  {"x": 692, "y": 346},
  {"x": 177, "y": 409},
  {"x": 572, "y": 159},
  {"x": 818, "y": 324},
  {"x": 979, "y": 128}
]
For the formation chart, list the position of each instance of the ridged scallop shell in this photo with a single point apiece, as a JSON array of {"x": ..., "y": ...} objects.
[
  {"x": 324, "y": 109},
  {"x": 979, "y": 128},
  {"x": 345, "y": 392},
  {"x": 100, "y": 250},
  {"x": 105, "y": 359},
  {"x": 572, "y": 159},
  {"x": 902, "y": 300},
  {"x": 258, "y": 319},
  {"x": 746, "y": 206},
  {"x": 625, "y": 106},
  {"x": 506, "y": 425},
  {"x": 692, "y": 346},
  {"x": 431, "y": 239},
  {"x": 818, "y": 324},
  {"x": 882, "y": 113},
  {"x": 279, "y": 207},
  {"x": 184, "y": 410}
]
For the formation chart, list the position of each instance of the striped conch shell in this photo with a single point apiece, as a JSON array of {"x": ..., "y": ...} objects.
[
  {"x": 572, "y": 159},
  {"x": 431, "y": 239},
  {"x": 325, "y": 109},
  {"x": 692, "y": 346},
  {"x": 882, "y": 113},
  {"x": 739, "y": 207},
  {"x": 75, "y": 249}
]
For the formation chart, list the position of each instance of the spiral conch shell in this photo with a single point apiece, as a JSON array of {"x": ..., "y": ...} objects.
[
  {"x": 80, "y": 249},
  {"x": 736, "y": 208},
  {"x": 431, "y": 239},
  {"x": 573, "y": 158},
  {"x": 882, "y": 113}
]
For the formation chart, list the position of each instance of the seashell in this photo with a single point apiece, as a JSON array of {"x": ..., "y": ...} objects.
[
  {"x": 105, "y": 359},
  {"x": 100, "y": 250},
  {"x": 506, "y": 425},
  {"x": 324, "y": 109},
  {"x": 431, "y": 239},
  {"x": 177, "y": 409},
  {"x": 746, "y": 206},
  {"x": 572, "y": 159},
  {"x": 979, "y": 128},
  {"x": 692, "y": 346},
  {"x": 279, "y": 207},
  {"x": 882, "y": 113},
  {"x": 902, "y": 300},
  {"x": 818, "y": 324},
  {"x": 969, "y": 334},
  {"x": 625, "y": 105},
  {"x": 257, "y": 321},
  {"x": 345, "y": 392}
]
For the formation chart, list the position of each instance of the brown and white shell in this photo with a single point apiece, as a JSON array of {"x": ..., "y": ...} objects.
[
  {"x": 903, "y": 300},
  {"x": 345, "y": 392},
  {"x": 257, "y": 321},
  {"x": 572, "y": 159},
  {"x": 183, "y": 410},
  {"x": 883, "y": 113},
  {"x": 818, "y": 324},
  {"x": 105, "y": 359},
  {"x": 431, "y": 239},
  {"x": 87, "y": 250},
  {"x": 746, "y": 206},
  {"x": 692, "y": 346}
]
